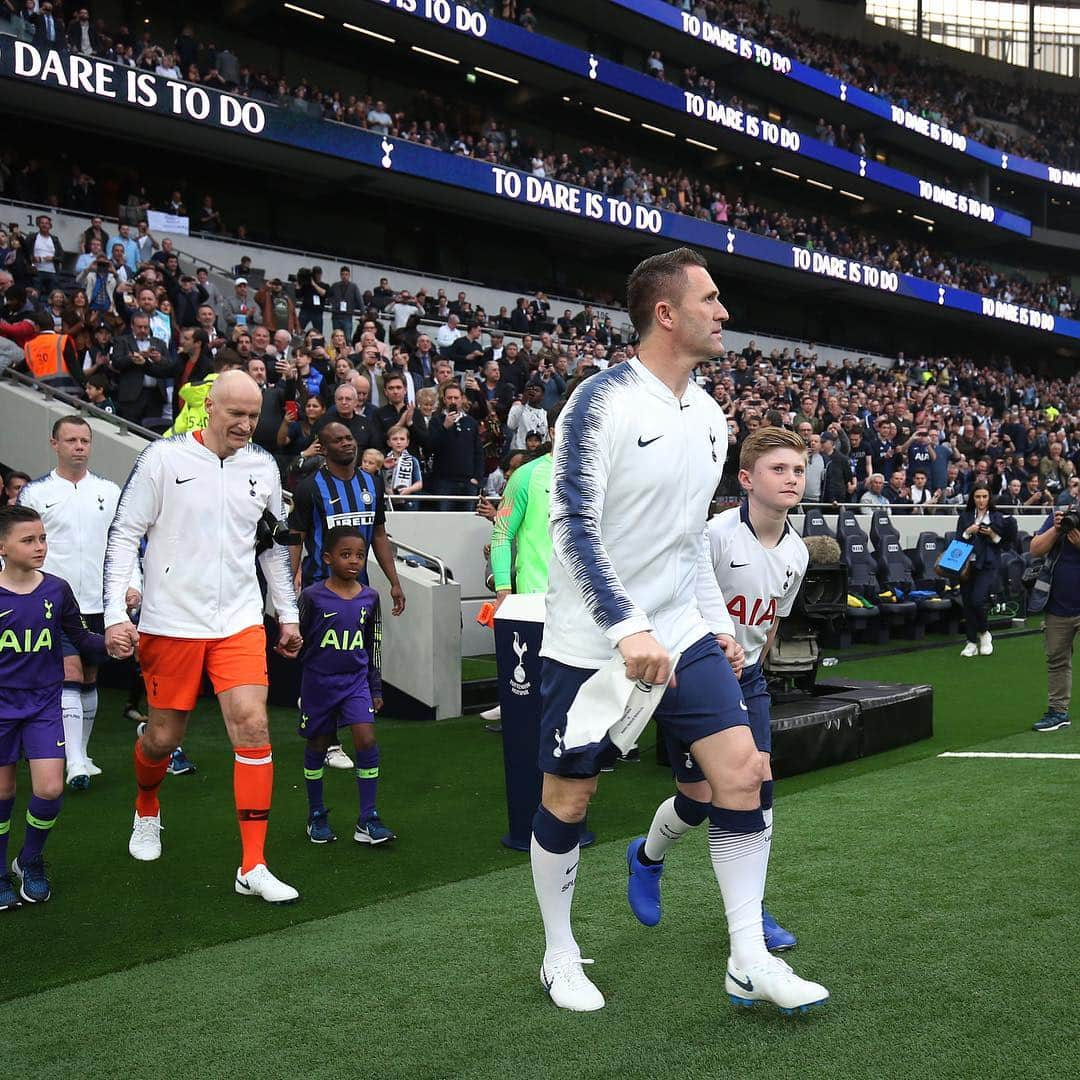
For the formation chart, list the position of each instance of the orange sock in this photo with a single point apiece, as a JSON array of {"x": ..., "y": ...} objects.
[
  {"x": 253, "y": 783},
  {"x": 148, "y": 775}
]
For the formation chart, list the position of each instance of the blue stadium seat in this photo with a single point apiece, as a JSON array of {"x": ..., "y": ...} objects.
[{"x": 814, "y": 524}]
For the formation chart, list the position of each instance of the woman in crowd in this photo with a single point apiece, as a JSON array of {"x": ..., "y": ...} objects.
[{"x": 988, "y": 531}]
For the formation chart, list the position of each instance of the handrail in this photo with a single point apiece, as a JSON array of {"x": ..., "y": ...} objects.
[
  {"x": 402, "y": 546},
  {"x": 125, "y": 426}
]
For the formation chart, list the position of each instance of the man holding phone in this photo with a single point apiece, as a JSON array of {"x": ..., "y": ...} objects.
[
  {"x": 459, "y": 454},
  {"x": 142, "y": 366}
]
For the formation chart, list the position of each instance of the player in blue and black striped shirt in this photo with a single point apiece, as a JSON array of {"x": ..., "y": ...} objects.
[{"x": 341, "y": 685}]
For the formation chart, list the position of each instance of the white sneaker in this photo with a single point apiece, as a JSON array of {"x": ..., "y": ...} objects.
[
  {"x": 258, "y": 881},
  {"x": 970, "y": 649},
  {"x": 986, "y": 643},
  {"x": 91, "y": 768},
  {"x": 492, "y": 714},
  {"x": 770, "y": 979},
  {"x": 336, "y": 758},
  {"x": 145, "y": 842},
  {"x": 568, "y": 986}
]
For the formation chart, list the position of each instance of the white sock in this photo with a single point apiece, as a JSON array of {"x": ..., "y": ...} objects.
[
  {"x": 740, "y": 862},
  {"x": 89, "y": 713},
  {"x": 665, "y": 829},
  {"x": 71, "y": 710},
  {"x": 554, "y": 877}
]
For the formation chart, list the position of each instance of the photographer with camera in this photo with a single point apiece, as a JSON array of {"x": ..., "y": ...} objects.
[
  {"x": 1058, "y": 590},
  {"x": 311, "y": 296},
  {"x": 983, "y": 526}
]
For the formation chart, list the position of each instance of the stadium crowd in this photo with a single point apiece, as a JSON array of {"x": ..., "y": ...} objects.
[
  {"x": 456, "y": 128},
  {"x": 436, "y": 392},
  {"x": 968, "y": 104}
]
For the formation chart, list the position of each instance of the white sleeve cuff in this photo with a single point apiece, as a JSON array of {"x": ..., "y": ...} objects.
[{"x": 636, "y": 624}]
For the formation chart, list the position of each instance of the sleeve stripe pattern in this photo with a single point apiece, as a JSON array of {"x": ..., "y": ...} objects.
[{"x": 577, "y": 496}]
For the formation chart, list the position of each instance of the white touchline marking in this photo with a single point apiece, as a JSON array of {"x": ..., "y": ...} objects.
[{"x": 988, "y": 754}]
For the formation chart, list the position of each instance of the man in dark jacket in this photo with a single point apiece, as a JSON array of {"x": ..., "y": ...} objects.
[
  {"x": 142, "y": 365},
  {"x": 838, "y": 483},
  {"x": 459, "y": 453}
]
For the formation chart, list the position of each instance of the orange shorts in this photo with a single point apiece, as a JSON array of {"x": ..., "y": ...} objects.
[{"x": 173, "y": 668}]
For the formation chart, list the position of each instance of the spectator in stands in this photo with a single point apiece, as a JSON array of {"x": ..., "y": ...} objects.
[
  {"x": 344, "y": 298},
  {"x": 922, "y": 498},
  {"x": 422, "y": 364},
  {"x": 396, "y": 410},
  {"x": 837, "y": 483},
  {"x": 983, "y": 526},
  {"x": 1055, "y": 469},
  {"x": 97, "y": 388},
  {"x": 142, "y": 366},
  {"x": 458, "y": 452},
  {"x": 874, "y": 495},
  {"x": 213, "y": 293},
  {"x": 422, "y": 427},
  {"x": 12, "y": 259},
  {"x": 404, "y": 308},
  {"x": 48, "y": 32},
  {"x": 311, "y": 296},
  {"x": 447, "y": 334},
  {"x": 277, "y": 310},
  {"x": 14, "y": 483},
  {"x": 527, "y": 415},
  {"x": 43, "y": 253},
  {"x": 208, "y": 220},
  {"x": 896, "y": 492},
  {"x": 815, "y": 465},
  {"x": 1013, "y": 496},
  {"x": 239, "y": 310},
  {"x": 346, "y": 410},
  {"x": 274, "y": 400},
  {"x": 467, "y": 352},
  {"x": 299, "y": 437},
  {"x": 95, "y": 231},
  {"x": 402, "y": 474}
]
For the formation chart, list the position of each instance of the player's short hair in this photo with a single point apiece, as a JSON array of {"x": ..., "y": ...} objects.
[
  {"x": 765, "y": 439},
  {"x": 395, "y": 377},
  {"x": 397, "y": 429},
  {"x": 73, "y": 418},
  {"x": 374, "y": 453},
  {"x": 659, "y": 277},
  {"x": 10, "y": 516},
  {"x": 339, "y": 533}
]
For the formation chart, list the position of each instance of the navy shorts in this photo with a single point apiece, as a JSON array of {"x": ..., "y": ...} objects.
[
  {"x": 705, "y": 700},
  {"x": 31, "y": 725},
  {"x": 322, "y": 717},
  {"x": 96, "y": 623},
  {"x": 755, "y": 692}
]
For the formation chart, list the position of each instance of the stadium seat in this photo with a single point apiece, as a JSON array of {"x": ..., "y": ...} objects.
[
  {"x": 862, "y": 582},
  {"x": 928, "y": 549},
  {"x": 814, "y": 524},
  {"x": 848, "y": 523},
  {"x": 894, "y": 572},
  {"x": 881, "y": 525}
]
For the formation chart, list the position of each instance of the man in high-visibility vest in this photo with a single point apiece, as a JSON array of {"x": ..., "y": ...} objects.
[{"x": 51, "y": 357}]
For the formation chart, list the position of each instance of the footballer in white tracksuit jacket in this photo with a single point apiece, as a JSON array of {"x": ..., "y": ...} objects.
[
  {"x": 634, "y": 472},
  {"x": 199, "y": 515}
]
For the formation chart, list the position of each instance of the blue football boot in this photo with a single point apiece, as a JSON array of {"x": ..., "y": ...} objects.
[
  {"x": 643, "y": 884},
  {"x": 777, "y": 939}
]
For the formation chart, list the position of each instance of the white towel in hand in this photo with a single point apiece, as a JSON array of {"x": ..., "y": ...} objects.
[{"x": 609, "y": 703}]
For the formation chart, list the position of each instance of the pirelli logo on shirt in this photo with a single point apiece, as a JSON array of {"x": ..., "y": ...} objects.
[{"x": 358, "y": 519}]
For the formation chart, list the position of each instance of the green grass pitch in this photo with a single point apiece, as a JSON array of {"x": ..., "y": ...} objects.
[{"x": 935, "y": 898}]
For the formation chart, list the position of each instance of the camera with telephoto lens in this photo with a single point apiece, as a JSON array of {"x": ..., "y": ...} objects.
[
  {"x": 271, "y": 530},
  {"x": 1070, "y": 519}
]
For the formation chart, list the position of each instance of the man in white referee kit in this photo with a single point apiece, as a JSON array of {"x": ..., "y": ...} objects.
[{"x": 639, "y": 452}]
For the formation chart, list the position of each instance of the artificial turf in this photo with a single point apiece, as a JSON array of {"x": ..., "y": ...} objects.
[{"x": 928, "y": 895}]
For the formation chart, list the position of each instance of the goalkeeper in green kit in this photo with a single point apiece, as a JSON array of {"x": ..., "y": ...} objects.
[{"x": 522, "y": 523}]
